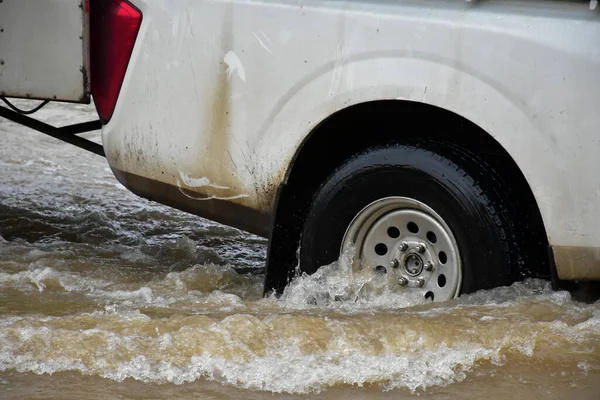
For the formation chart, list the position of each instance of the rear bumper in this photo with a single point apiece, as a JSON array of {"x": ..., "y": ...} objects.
[{"x": 222, "y": 211}]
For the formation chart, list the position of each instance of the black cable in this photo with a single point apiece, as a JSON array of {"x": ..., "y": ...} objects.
[{"x": 25, "y": 112}]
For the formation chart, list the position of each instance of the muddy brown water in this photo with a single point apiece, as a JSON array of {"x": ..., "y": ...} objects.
[{"x": 106, "y": 296}]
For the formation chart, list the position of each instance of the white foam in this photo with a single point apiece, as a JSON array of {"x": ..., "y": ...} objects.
[
  {"x": 42, "y": 277},
  {"x": 175, "y": 287},
  {"x": 294, "y": 372},
  {"x": 144, "y": 293},
  {"x": 285, "y": 368}
]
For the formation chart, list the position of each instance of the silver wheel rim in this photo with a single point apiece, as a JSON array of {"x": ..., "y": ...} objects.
[{"x": 408, "y": 243}]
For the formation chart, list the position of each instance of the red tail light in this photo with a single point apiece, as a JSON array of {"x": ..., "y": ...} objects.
[{"x": 114, "y": 25}]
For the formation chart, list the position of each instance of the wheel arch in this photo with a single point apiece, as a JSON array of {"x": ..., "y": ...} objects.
[{"x": 332, "y": 142}]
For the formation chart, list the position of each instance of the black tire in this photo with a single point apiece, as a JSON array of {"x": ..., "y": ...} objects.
[{"x": 466, "y": 193}]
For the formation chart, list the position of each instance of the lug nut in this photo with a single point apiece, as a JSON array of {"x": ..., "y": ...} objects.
[
  {"x": 420, "y": 248},
  {"x": 394, "y": 263},
  {"x": 403, "y": 247},
  {"x": 403, "y": 281},
  {"x": 428, "y": 266},
  {"x": 381, "y": 270},
  {"x": 421, "y": 282}
]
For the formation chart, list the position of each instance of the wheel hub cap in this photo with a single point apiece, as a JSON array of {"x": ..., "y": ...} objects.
[
  {"x": 413, "y": 265},
  {"x": 407, "y": 243}
]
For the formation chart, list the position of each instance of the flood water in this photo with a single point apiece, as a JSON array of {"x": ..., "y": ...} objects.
[{"x": 107, "y": 296}]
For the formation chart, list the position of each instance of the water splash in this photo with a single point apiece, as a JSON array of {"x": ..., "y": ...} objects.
[{"x": 338, "y": 286}]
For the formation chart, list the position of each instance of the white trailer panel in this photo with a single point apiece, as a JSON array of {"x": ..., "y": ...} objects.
[{"x": 43, "y": 49}]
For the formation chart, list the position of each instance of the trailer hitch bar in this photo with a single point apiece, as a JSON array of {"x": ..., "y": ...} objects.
[{"x": 66, "y": 133}]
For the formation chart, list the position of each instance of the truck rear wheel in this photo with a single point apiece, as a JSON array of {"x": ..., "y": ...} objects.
[{"x": 432, "y": 217}]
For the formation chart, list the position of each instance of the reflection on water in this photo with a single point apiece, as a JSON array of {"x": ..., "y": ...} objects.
[{"x": 105, "y": 295}]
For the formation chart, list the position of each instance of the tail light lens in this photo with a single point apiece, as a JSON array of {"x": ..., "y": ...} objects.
[{"x": 114, "y": 26}]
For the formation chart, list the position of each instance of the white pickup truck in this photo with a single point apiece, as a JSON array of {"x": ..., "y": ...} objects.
[{"x": 445, "y": 145}]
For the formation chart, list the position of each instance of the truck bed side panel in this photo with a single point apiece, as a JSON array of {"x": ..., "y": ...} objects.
[{"x": 220, "y": 94}]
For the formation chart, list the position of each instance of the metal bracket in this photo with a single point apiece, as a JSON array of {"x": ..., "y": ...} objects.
[{"x": 66, "y": 133}]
